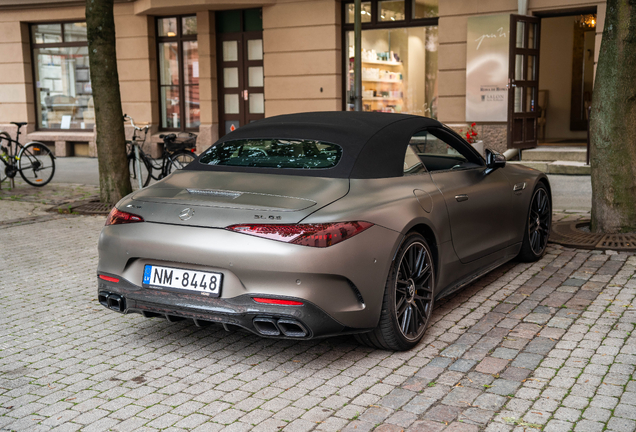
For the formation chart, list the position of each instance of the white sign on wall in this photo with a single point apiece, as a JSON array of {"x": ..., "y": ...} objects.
[{"x": 487, "y": 68}]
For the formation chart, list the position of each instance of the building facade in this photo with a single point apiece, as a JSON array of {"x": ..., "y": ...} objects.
[{"x": 211, "y": 66}]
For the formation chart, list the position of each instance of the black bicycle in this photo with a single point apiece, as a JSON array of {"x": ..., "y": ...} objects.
[
  {"x": 178, "y": 151},
  {"x": 34, "y": 161}
]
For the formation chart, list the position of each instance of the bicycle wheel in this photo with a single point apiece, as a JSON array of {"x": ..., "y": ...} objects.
[
  {"x": 36, "y": 164},
  {"x": 145, "y": 171},
  {"x": 5, "y": 141},
  {"x": 180, "y": 160}
]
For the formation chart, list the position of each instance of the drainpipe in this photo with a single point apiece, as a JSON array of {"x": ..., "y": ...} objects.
[
  {"x": 357, "y": 62},
  {"x": 523, "y": 7}
]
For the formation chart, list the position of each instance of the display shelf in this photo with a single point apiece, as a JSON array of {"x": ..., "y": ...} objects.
[
  {"x": 382, "y": 62},
  {"x": 383, "y": 81},
  {"x": 381, "y": 99}
]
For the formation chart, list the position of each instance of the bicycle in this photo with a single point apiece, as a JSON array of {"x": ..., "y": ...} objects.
[
  {"x": 34, "y": 161},
  {"x": 177, "y": 153}
]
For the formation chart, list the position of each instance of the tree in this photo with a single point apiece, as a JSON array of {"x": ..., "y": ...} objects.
[
  {"x": 114, "y": 178},
  {"x": 613, "y": 123}
]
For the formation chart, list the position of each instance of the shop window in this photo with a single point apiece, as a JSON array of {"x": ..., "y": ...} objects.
[
  {"x": 386, "y": 11},
  {"x": 391, "y": 10},
  {"x": 63, "y": 93},
  {"x": 399, "y": 70},
  {"x": 425, "y": 9},
  {"x": 178, "y": 60},
  {"x": 350, "y": 13},
  {"x": 399, "y": 57}
]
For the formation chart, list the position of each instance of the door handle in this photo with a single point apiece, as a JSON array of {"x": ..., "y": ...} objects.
[
  {"x": 462, "y": 197},
  {"x": 245, "y": 95}
]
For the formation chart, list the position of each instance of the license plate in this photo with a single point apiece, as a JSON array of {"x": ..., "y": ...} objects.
[{"x": 207, "y": 283}]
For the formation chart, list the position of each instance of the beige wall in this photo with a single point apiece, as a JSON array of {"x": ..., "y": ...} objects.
[
  {"x": 136, "y": 64},
  {"x": 302, "y": 56},
  {"x": 452, "y": 44}
]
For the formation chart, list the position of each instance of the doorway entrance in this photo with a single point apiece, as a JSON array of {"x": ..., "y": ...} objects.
[
  {"x": 240, "y": 68},
  {"x": 568, "y": 42}
]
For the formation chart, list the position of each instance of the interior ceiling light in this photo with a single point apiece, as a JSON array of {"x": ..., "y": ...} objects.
[{"x": 588, "y": 21}]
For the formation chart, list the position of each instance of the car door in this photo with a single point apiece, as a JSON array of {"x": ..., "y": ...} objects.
[{"x": 478, "y": 200}]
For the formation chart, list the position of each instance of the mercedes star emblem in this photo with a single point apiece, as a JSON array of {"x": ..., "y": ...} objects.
[{"x": 186, "y": 214}]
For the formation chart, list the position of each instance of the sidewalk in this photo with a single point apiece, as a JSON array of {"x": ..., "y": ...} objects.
[{"x": 543, "y": 346}]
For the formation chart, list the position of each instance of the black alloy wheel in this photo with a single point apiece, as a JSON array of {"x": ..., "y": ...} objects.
[
  {"x": 413, "y": 291},
  {"x": 538, "y": 226},
  {"x": 408, "y": 298}
]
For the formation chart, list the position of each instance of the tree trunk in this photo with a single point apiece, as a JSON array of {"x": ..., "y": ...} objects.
[
  {"x": 114, "y": 178},
  {"x": 613, "y": 123}
]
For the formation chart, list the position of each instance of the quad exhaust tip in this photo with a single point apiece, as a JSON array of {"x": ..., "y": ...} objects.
[
  {"x": 275, "y": 327},
  {"x": 112, "y": 301}
]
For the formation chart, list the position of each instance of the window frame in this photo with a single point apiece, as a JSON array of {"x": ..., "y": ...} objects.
[
  {"x": 179, "y": 38},
  {"x": 375, "y": 24},
  {"x": 33, "y": 46}
]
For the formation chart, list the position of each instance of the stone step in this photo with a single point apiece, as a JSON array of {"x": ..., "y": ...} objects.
[
  {"x": 557, "y": 167},
  {"x": 551, "y": 154}
]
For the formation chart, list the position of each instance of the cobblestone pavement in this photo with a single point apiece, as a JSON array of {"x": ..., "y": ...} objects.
[{"x": 549, "y": 345}]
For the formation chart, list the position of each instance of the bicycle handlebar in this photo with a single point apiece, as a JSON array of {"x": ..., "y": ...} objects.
[{"x": 132, "y": 123}]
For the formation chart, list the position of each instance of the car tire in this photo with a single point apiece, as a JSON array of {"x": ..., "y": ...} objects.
[
  {"x": 408, "y": 298},
  {"x": 538, "y": 224}
]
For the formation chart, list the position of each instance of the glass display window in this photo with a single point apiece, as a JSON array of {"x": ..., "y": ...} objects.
[
  {"x": 178, "y": 61},
  {"x": 399, "y": 56},
  {"x": 365, "y": 12},
  {"x": 63, "y": 92},
  {"x": 391, "y": 10},
  {"x": 399, "y": 70},
  {"x": 425, "y": 9}
]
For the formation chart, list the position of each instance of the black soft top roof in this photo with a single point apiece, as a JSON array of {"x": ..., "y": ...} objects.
[{"x": 373, "y": 143}]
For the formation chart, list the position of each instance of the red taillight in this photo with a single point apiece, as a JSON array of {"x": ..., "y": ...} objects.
[
  {"x": 116, "y": 217},
  {"x": 315, "y": 235},
  {"x": 277, "y": 301},
  {"x": 108, "y": 278}
]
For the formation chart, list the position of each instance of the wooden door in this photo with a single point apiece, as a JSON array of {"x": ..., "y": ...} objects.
[
  {"x": 240, "y": 75},
  {"x": 523, "y": 79}
]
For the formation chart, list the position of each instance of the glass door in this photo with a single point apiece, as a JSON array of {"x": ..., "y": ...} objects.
[
  {"x": 523, "y": 79},
  {"x": 240, "y": 69}
]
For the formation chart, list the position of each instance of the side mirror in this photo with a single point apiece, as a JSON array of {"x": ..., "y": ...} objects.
[{"x": 494, "y": 160}]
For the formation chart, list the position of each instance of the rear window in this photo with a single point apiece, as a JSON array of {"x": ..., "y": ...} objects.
[{"x": 274, "y": 153}]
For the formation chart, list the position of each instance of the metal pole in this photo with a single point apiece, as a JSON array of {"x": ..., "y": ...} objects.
[
  {"x": 587, "y": 153},
  {"x": 357, "y": 63},
  {"x": 522, "y": 7},
  {"x": 138, "y": 165}
]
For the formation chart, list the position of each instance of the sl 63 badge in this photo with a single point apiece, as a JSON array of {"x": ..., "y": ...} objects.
[{"x": 270, "y": 217}]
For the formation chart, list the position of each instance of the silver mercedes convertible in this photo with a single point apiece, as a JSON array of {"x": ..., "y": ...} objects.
[{"x": 321, "y": 224}]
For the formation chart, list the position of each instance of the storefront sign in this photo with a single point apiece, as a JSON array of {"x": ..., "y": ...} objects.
[{"x": 487, "y": 68}]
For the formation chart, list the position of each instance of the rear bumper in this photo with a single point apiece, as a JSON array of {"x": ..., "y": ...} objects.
[
  {"x": 293, "y": 322},
  {"x": 344, "y": 282}
]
